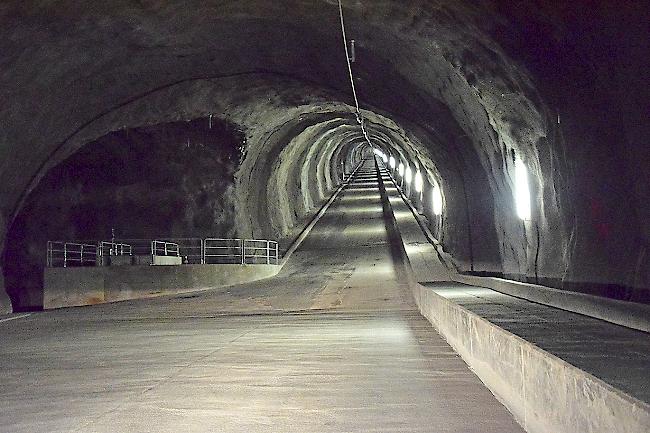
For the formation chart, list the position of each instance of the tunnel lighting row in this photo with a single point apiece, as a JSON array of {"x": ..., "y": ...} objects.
[
  {"x": 407, "y": 176},
  {"x": 381, "y": 154},
  {"x": 521, "y": 194}
]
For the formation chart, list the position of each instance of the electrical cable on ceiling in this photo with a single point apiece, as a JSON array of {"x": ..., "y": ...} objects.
[{"x": 360, "y": 118}]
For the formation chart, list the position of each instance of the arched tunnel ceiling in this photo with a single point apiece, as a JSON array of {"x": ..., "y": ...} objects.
[
  {"x": 89, "y": 60},
  {"x": 453, "y": 87}
]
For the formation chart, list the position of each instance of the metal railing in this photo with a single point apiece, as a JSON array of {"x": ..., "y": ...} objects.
[
  {"x": 64, "y": 254},
  {"x": 162, "y": 248},
  {"x": 192, "y": 250},
  {"x": 241, "y": 251},
  {"x": 111, "y": 248}
]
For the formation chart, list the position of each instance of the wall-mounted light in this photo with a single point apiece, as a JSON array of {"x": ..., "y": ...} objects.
[
  {"x": 400, "y": 169},
  {"x": 436, "y": 199},
  {"x": 522, "y": 191},
  {"x": 392, "y": 162},
  {"x": 381, "y": 154},
  {"x": 418, "y": 181},
  {"x": 408, "y": 175}
]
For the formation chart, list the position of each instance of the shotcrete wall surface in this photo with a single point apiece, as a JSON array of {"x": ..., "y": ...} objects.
[
  {"x": 458, "y": 89},
  {"x": 69, "y": 287}
]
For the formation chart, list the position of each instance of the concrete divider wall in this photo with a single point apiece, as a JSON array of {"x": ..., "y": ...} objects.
[
  {"x": 68, "y": 287},
  {"x": 544, "y": 393}
]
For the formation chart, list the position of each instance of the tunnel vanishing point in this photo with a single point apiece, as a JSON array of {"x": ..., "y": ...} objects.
[{"x": 448, "y": 179}]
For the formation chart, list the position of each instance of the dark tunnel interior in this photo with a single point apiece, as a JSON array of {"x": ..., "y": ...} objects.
[{"x": 236, "y": 119}]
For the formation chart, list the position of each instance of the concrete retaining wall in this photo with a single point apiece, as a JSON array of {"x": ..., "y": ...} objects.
[
  {"x": 544, "y": 393},
  {"x": 68, "y": 287}
]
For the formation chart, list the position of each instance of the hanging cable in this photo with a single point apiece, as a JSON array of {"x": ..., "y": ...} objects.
[
  {"x": 360, "y": 119},
  {"x": 347, "y": 58}
]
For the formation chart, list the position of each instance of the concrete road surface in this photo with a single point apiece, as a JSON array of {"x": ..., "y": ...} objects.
[{"x": 332, "y": 344}]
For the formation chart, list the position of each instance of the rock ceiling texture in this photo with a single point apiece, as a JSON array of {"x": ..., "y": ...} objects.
[{"x": 454, "y": 87}]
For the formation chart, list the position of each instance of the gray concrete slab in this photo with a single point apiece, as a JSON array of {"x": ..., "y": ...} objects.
[
  {"x": 331, "y": 344},
  {"x": 617, "y": 355}
]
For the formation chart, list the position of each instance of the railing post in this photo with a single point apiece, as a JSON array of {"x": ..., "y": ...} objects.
[
  {"x": 268, "y": 252},
  {"x": 202, "y": 251},
  {"x": 82, "y": 255},
  {"x": 65, "y": 255},
  {"x": 243, "y": 251},
  {"x": 277, "y": 255}
]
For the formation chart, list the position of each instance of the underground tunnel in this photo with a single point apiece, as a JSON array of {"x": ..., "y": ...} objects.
[
  {"x": 516, "y": 132},
  {"x": 459, "y": 92}
]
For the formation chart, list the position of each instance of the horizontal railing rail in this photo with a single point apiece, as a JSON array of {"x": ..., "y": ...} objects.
[
  {"x": 162, "y": 248},
  {"x": 242, "y": 251},
  {"x": 111, "y": 248},
  {"x": 64, "y": 254},
  {"x": 191, "y": 250}
]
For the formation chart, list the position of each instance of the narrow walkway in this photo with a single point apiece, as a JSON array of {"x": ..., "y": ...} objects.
[{"x": 333, "y": 344}]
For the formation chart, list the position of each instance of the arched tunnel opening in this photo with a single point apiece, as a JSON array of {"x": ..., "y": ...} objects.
[{"x": 514, "y": 132}]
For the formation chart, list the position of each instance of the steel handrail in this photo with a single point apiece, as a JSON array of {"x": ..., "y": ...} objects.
[
  {"x": 70, "y": 252},
  {"x": 167, "y": 248},
  {"x": 243, "y": 251},
  {"x": 222, "y": 250}
]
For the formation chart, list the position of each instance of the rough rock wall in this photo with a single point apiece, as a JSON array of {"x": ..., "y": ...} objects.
[
  {"x": 179, "y": 179},
  {"x": 587, "y": 60},
  {"x": 467, "y": 83},
  {"x": 169, "y": 180}
]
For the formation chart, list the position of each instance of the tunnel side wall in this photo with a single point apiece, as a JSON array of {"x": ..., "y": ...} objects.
[
  {"x": 559, "y": 87},
  {"x": 205, "y": 206}
]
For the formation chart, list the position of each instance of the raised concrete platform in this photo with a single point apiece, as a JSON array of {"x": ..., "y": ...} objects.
[
  {"x": 69, "y": 287},
  {"x": 555, "y": 370}
]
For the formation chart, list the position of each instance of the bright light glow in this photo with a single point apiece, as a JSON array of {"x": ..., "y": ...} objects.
[
  {"x": 408, "y": 175},
  {"x": 381, "y": 154},
  {"x": 392, "y": 162},
  {"x": 418, "y": 181},
  {"x": 436, "y": 199},
  {"x": 400, "y": 169},
  {"x": 522, "y": 192}
]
